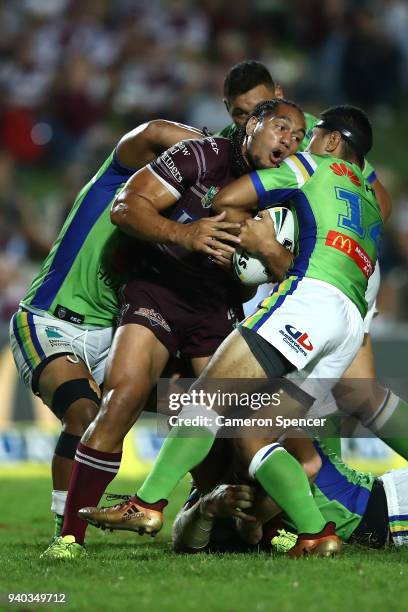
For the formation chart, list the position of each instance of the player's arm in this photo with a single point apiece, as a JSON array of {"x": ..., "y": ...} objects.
[
  {"x": 238, "y": 200},
  {"x": 138, "y": 209},
  {"x": 383, "y": 199},
  {"x": 382, "y": 195},
  {"x": 143, "y": 144},
  {"x": 259, "y": 239},
  {"x": 257, "y": 191}
]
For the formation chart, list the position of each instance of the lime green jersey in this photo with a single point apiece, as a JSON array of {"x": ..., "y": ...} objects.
[
  {"x": 341, "y": 493},
  {"x": 78, "y": 280},
  {"x": 338, "y": 218}
]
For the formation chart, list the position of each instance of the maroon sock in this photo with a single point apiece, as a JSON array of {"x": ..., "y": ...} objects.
[
  {"x": 92, "y": 472},
  {"x": 159, "y": 505}
]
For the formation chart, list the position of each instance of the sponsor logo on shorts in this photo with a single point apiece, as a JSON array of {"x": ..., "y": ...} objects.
[
  {"x": 350, "y": 247},
  {"x": 155, "y": 318},
  {"x": 297, "y": 340},
  {"x": 55, "y": 338},
  {"x": 52, "y": 332},
  {"x": 343, "y": 170},
  {"x": 208, "y": 199}
]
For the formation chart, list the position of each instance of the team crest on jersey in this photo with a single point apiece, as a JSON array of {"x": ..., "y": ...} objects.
[
  {"x": 343, "y": 170},
  {"x": 208, "y": 199}
]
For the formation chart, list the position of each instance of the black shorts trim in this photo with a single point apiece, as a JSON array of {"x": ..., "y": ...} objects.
[
  {"x": 374, "y": 526},
  {"x": 275, "y": 365}
]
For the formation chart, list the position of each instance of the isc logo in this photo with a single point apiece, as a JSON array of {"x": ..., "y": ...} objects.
[{"x": 301, "y": 337}]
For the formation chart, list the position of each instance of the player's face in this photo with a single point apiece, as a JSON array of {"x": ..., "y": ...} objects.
[
  {"x": 318, "y": 142},
  {"x": 274, "y": 138},
  {"x": 324, "y": 142},
  {"x": 242, "y": 106}
]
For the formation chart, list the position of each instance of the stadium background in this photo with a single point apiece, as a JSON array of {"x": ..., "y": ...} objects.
[{"x": 75, "y": 75}]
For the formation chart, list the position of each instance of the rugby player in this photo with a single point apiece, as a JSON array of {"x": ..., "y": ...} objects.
[
  {"x": 249, "y": 83},
  {"x": 177, "y": 301},
  {"x": 321, "y": 197},
  {"x": 61, "y": 335},
  {"x": 369, "y": 511}
]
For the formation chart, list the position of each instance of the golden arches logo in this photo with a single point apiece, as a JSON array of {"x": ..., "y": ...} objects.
[{"x": 345, "y": 243}]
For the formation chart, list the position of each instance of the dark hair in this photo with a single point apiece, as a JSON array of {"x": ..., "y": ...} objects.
[
  {"x": 261, "y": 110},
  {"x": 265, "y": 108},
  {"x": 245, "y": 76},
  {"x": 353, "y": 125}
]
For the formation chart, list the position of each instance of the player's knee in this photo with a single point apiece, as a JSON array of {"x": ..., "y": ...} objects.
[
  {"x": 120, "y": 408},
  {"x": 76, "y": 401},
  {"x": 79, "y": 416}
]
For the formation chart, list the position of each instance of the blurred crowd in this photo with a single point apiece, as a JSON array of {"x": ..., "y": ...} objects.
[{"x": 76, "y": 74}]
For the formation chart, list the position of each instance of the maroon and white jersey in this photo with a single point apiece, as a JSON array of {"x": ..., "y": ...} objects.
[{"x": 193, "y": 171}]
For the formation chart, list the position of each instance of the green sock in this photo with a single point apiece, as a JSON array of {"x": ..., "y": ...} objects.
[
  {"x": 177, "y": 457},
  {"x": 284, "y": 480},
  {"x": 392, "y": 419},
  {"x": 333, "y": 444},
  {"x": 58, "y": 523}
]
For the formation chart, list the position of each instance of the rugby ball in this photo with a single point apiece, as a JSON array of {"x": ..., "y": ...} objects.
[{"x": 250, "y": 269}]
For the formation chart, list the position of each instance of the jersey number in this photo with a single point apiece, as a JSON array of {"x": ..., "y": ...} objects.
[{"x": 352, "y": 220}]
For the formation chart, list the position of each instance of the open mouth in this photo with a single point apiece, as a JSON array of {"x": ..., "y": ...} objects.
[{"x": 277, "y": 156}]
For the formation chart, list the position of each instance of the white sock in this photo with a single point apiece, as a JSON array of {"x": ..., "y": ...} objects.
[{"x": 58, "y": 499}]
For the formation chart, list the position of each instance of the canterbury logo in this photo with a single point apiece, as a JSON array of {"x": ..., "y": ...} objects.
[
  {"x": 343, "y": 170},
  {"x": 301, "y": 337}
]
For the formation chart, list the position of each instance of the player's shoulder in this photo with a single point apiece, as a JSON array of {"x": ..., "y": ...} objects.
[
  {"x": 211, "y": 146},
  {"x": 215, "y": 152},
  {"x": 304, "y": 163}
]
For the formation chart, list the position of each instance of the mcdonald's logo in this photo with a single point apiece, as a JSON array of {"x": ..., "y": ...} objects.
[
  {"x": 345, "y": 243},
  {"x": 350, "y": 247}
]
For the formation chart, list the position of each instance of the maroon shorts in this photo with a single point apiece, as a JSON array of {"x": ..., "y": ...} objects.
[{"x": 185, "y": 328}]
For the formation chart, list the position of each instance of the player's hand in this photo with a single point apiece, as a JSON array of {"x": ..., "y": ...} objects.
[
  {"x": 228, "y": 500},
  {"x": 257, "y": 235},
  {"x": 210, "y": 236},
  {"x": 223, "y": 260}
]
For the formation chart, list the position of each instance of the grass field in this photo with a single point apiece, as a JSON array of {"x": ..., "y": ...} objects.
[{"x": 124, "y": 571}]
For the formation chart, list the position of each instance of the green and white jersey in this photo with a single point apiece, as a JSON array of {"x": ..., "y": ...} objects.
[
  {"x": 78, "y": 279},
  {"x": 341, "y": 493},
  {"x": 338, "y": 218}
]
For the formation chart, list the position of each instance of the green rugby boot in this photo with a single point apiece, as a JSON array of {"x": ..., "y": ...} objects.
[
  {"x": 64, "y": 547},
  {"x": 284, "y": 541}
]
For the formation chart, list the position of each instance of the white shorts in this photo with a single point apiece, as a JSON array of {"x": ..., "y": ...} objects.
[
  {"x": 371, "y": 297},
  {"x": 315, "y": 326},
  {"x": 396, "y": 490},
  {"x": 34, "y": 338}
]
